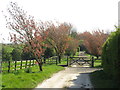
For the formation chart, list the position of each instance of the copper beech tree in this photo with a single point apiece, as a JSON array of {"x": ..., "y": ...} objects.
[
  {"x": 58, "y": 38},
  {"x": 94, "y": 41},
  {"x": 28, "y": 32}
]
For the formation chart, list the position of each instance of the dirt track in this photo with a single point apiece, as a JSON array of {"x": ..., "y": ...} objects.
[{"x": 71, "y": 77}]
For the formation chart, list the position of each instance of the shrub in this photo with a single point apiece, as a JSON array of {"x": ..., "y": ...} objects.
[
  {"x": 110, "y": 55},
  {"x": 49, "y": 52},
  {"x": 6, "y": 53},
  {"x": 28, "y": 70},
  {"x": 27, "y": 56},
  {"x": 16, "y": 54},
  {"x": 16, "y": 72}
]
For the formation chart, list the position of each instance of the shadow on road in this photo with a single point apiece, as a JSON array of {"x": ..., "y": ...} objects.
[{"x": 81, "y": 81}]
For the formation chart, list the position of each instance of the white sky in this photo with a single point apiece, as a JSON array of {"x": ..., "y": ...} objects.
[{"x": 83, "y": 14}]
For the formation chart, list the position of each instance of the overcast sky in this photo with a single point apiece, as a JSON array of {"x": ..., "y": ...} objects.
[{"x": 83, "y": 14}]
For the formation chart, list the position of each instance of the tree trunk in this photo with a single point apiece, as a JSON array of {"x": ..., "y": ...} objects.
[
  {"x": 39, "y": 61},
  {"x": 40, "y": 66},
  {"x": 97, "y": 57},
  {"x": 59, "y": 59},
  {"x": 44, "y": 60}
]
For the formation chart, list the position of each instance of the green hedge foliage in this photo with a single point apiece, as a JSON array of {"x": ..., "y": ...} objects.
[
  {"x": 111, "y": 55},
  {"x": 16, "y": 54},
  {"x": 6, "y": 53}
]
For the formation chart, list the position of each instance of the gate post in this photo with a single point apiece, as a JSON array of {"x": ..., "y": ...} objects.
[
  {"x": 56, "y": 60},
  {"x": 67, "y": 61},
  {"x": 92, "y": 62}
]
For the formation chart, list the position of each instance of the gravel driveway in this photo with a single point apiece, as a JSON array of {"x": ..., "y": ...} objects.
[{"x": 71, "y": 77}]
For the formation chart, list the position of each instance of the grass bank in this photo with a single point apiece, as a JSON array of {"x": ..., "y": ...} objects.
[
  {"x": 21, "y": 79},
  {"x": 98, "y": 63},
  {"x": 101, "y": 80}
]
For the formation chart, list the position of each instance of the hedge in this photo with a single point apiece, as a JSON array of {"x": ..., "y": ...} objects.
[{"x": 111, "y": 56}]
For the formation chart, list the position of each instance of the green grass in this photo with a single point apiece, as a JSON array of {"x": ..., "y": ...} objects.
[
  {"x": 21, "y": 79},
  {"x": 63, "y": 61},
  {"x": 12, "y": 64},
  {"x": 0, "y": 81},
  {"x": 100, "y": 80},
  {"x": 97, "y": 63},
  {"x": 77, "y": 53}
]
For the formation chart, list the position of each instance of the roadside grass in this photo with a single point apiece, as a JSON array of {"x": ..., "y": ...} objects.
[
  {"x": 0, "y": 81},
  {"x": 21, "y": 79},
  {"x": 63, "y": 61},
  {"x": 98, "y": 63},
  {"x": 100, "y": 80}
]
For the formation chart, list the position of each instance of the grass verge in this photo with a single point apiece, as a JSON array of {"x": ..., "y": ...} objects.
[
  {"x": 97, "y": 64},
  {"x": 21, "y": 79},
  {"x": 101, "y": 80}
]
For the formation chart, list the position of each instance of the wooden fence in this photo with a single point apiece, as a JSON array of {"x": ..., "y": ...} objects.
[{"x": 8, "y": 66}]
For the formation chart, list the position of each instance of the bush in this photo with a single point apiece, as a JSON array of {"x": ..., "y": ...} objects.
[
  {"x": 110, "y": 55},
  {"x": 16, "y": 72},
  {"x": 16, "y": 54},
  {"x": 28, "y": 70},
  {"x": 6, "y": 53},
  {"x": 69, "y": 52},
  {"x": 27, "y": 56},
  {"x": 49, "y": 52}
]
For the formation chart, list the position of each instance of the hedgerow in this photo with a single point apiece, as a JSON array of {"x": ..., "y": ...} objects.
[{"x": 111, "y": 56}]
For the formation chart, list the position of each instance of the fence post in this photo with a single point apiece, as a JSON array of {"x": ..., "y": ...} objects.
[
  {"x": 21, "y": 65},
  {"x": 56, "y": 60},
  {"x": 49, "y": 61},
  {"x": 30, "y": 63},
  {"x": 67, "y": 60},
  {"x": 15, "y": 64},
  {"x": 26, "y": 64},
  {"x": 8, "y": 66},
  {"x": 44, "y": 60},
  {"x": 92, "y": 62},
  {"x": 33, "y": 61}
]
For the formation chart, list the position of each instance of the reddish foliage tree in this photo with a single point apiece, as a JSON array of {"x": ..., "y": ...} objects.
[
  {"x": 94, "y": 41},
  {"x": 73, "y": 44},
  {"x": 28, "y": 31},
  {"x": 58, "y": 37}
]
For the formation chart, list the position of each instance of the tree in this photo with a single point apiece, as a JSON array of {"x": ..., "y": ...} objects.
[
  {"x": 16, "y": 54},
  {"x": 58, "y": 38},
  {"x": 49, "y": 52},
  {"x": 6, "y": 52},
  {"x": 28, "y": 32},
  {"x": 74, "y": 34},
  {"x": 94, "y": 41},
  {"x": 27, "y": 55},
  {"x": 6, "y": 56},
  {"x": 72, "y": 46}
]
